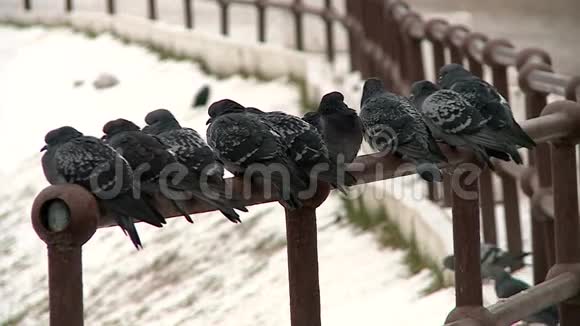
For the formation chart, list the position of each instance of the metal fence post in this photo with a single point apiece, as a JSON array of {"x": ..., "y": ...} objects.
[
  {"x": 188, "y": 13},
  {"x": 509, "y": 185},
  {"x": 566, "y": 224},
  {"x": 353, "y": 41},
  {"x": 152, "y": 9},
  {"x": 261, "y": 13},
  {"x": 27, "y": 5},
  {"x": 298, "y": 25},
  {"x": 65, "y": 217},
  {"x": 68, "y": 5},
  {"x": 542, "y": 228},
  {"x": 224, "y": 17},
  {"x": 111, "y": 7},
  {"x": 303, "y": 261},
  {"x": 329, "y": 31}
]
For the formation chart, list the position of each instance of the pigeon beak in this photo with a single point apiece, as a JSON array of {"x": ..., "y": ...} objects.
[
  {"x": 210, "y": 120},
  {"x": 45, "y": 147},
  {"x": 104, "y": 137}
]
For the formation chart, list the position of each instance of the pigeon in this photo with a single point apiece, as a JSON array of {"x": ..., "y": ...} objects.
[
  {"x": 145, "y": 151},
  {"x": 244, "y": 144},
  {"x": 487, "y": 100},
  {"x": 305, "y": 147},
  {"x": 492, "y": 255},
  {"x": 392, "y": 122},
  {"x": 340, "y": 127},
  {"x": 193, "y": 152},
  {"x": 453, "y": 120},
  {"x": 74, "y": 158},
  {"x": 507, "y": 286},
  {"x": 201, "y": 97}
]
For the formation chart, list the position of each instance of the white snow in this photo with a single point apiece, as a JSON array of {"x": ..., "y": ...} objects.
[{"x": 210, "y": 273}]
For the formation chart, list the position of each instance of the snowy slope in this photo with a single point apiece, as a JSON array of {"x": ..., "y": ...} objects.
[{"x": 210, "y": 273}]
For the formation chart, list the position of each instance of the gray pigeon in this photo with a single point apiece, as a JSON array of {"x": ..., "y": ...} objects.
[
  {"x": 74, "y": 158},
  {"x": 453, "y": 120},
  {"x": 491, "y": 255},
  {"x": 507, "y": 286},
  {"x": 145, "y": 151},
  {"x": 487, "y": 100},
  {"x": 339, "y": 125},
  {"x": 305, "y": 147},
  {"x": 193, "y": 152},
  {"x": 391, "y": 122},
  {"x": 243, "y": 142}
]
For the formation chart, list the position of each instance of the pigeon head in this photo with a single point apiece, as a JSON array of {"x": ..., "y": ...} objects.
[
  {"x": 450, "y": 73},
  {"x": 159, "y": 121},
  {"x": 60, "y": 136},
  {"x": 371, "y": 88},
  {"x": 222, "y": 107},
  {"x": 117, "y": 126},
  {"x": 331, "y": 102},
  {"x": 423, "y": 88}
]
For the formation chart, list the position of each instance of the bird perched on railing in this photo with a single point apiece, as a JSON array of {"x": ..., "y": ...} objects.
[
  {"x": 340, "y": 127},
  {"x": 507, "y": 286},
  {"x": 453, "y": 120},
  {"x": 305, "y": 147},
  {"x": 245, "y": 144},
  {"x": 193, "y": 152},
  {"x": 392, "y": 124},
  {"x": 74, "y": 158},
  {"x": 487, "y": 100},
  {"x": 161, "y": 170}
]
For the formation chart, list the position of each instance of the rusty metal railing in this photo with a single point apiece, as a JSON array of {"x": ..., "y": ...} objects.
[{"x": 385, "y": 39}]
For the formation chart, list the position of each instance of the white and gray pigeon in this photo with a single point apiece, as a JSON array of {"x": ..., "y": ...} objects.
[
  {"x": 306, "y": 147},
  {"x": 490, "y": 254},
  {"x": 74, "y": 158},
  {"x": 507, "y": 286},
  {"x": 453, "y": 120},
  {"x": 194, "y": 153},
  {"x": 487, "y": 100},
  {"x": 392, "y": 123},
  {"x": 340, "y": 127},
  {"x": 142, "y": 150},
  {"x": 245, "y": 143}
]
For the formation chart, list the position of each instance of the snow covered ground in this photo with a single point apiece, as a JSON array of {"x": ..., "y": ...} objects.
[{"x": 210, "y": 273}]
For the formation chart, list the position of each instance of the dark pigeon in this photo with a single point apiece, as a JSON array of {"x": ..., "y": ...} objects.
[
  {"x": 242, "y": 142},
  {"x": 453, "y": 120},
  {"x": 193, "y": 152},
  {"x": 487, "y": 100},
  {"x": 74, "y": 158},
  {"x": 140, "y": 148},
  {"x": 305, "y": 147},
  {"x": 340, "y": 127},
  {"x": 392, "y": 122},
  {"x": 507, "y": 286},
  {"x": 491, "y": 255},
  {"x": 202, "y": 97}
]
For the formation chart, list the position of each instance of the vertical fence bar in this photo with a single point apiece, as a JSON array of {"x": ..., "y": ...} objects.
[
  {"x": 65, "y": 217},
  {"x": 152, "y": 9},
  {"x": 486, "y": 193},
  {"x": 298, "y": 25},
  {"x": 27, "y": 5},
  {"x": 466, "y": 240},
  {"x": 188, "y": 13},
  {"x": 68, "y": 5},
  {"x": 413, "y": 70},
  {"x": 567, "y": 228},
  {"x": 353, "y": 41},
  {"x": 510, "y": 191},
  {"x": 303, "y": 262},
  {"x": 390, "y": 48},
  {"x": 224, "y": 17},
  {"x": 329, "y": 31},
  {"x": 261, "y": 16},
  {"x": 542, "y": 228},
  {"x": 111, "y": 7}
]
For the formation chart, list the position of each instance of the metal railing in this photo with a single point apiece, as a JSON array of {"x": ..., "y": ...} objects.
[{"x": 385, "y": 40}]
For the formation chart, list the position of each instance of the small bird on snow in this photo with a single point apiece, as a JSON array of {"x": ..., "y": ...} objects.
[
  {"x": 391, "y": 122},
  {"x": 74, "y": 158}
]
